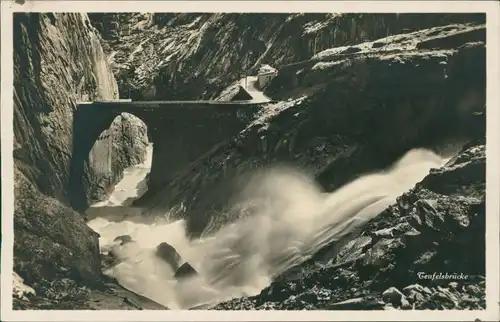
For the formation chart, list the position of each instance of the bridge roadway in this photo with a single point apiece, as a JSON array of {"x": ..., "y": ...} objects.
[{"x": 129, "y": 104}]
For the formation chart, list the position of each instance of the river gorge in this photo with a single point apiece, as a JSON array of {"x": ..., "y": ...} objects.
[{"x": 155, "y": 170}]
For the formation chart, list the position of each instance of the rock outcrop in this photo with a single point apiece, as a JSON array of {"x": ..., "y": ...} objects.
[
  {"x": 58, "y": 61},
  {"x": 398, "y": 258},
  {"x": 50, "y": 239},
  {"x": 168, "y": 253}
]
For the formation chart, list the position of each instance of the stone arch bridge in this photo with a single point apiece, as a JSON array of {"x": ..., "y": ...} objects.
[{"x": 180, "y": 131}]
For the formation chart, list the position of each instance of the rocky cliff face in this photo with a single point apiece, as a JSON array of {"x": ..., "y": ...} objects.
[
  {"x": 50, "y": 78},
  {"x": 436, "y": 227},
  {"x": 191, "y": 55},
  {"x": 348, "y": 115},
  {"x": 58, "y": 61}
]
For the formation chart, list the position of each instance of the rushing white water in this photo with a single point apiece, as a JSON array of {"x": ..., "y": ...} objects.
[{"x": 291, "y": 220}]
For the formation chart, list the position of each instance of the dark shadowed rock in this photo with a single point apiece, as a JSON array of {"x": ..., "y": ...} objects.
[
  {"x": 353, "y": 251},
  {"x": 51, "y": 241},
  {"x": 415, "y": 297},
  {"x": 185, "y": 271},
  {"x": 416, "y": 288},
  {"x": 168, "y": 253},
  {"x": 65, "y": 294}
]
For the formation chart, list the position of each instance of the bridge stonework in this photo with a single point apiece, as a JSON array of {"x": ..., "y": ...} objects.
[{"x": 181, "y": 131}]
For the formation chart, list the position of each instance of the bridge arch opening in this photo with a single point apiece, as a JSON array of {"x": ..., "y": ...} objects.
[
  {"x": 181, "y": 131},
  {"x": 104, "y": 145}
]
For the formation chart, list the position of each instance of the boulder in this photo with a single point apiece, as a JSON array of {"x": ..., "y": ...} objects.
[
  {"x": 168, "y": 253},
  {"x": 455, "y": 296},
  {"x": 405, "y": 304},
  {"x": 380, "y": 255}
]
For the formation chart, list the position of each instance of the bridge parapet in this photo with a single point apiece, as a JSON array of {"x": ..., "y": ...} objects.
[
  {"x": 129, "y": 102},
  {"x": 122, "y": 100}
]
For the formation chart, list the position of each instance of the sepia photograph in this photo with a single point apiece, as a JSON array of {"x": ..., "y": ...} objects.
[{"x": 246, "y": 161}]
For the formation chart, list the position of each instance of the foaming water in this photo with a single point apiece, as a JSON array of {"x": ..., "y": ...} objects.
[{"x": 289, "y": 220}]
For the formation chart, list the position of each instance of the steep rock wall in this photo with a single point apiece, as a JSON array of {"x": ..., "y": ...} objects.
[
  {"x": 165, "y": 56},
  {"x": 350, "y": 118},
  {"x": 51, "y": 76},
  {"x": 58, "y": 61},
  {"x": 385, "y": 90}
]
